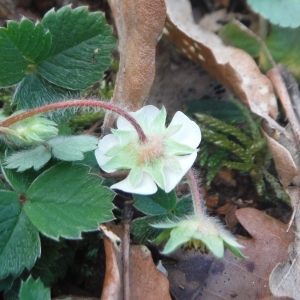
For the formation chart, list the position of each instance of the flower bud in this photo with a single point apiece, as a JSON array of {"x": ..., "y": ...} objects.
[
  {"x": 197, "y": 232},
  {"x": 30, "y": 131}
]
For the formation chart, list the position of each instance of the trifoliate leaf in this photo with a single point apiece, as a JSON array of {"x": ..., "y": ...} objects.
[
  {"x": 31, "y": 289},
  {"x": 66, "y": 200},
  {"x": 284, "y": 13},
  {"x": 156, "y": 204},
  {"x": 68, "y": 50},
  {"x": 71, "y": 148},
  {"x": 19, "y": 239},
  {"x": 34, "y": 158},
  {"x": 80, "y": 48}
]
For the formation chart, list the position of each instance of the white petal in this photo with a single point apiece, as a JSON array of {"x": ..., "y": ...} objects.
[
  {"x": 104, "y": 145},
  {"x": 172, "y": 177},
  {"x": 145, "y": 187},
  {"x": 148, "y": 111},
  {"x": 189, "y": 134}
]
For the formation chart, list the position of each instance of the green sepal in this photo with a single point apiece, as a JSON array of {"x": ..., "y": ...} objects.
[
  {"x": 234, "y": 250},
  {"x": 162, "y": 236}
]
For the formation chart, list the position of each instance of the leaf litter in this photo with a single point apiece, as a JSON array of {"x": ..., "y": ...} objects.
[{"x": 229, "y": 278}]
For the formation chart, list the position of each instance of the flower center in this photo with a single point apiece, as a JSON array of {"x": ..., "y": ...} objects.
[{"x": 151, "y": 150}]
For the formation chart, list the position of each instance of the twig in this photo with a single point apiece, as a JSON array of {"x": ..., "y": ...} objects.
[
  {"x": 93, "y": 127},
  {"x": 275, "y": 76},
  {"x": 258, "y": 39},
  {"x": 127, "y": 215},
  {"x": 292, "y": 88}
]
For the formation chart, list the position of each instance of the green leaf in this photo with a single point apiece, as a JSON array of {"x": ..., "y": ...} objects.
[
  {"x": 21, "y": 45},
  {"x": 20, "y": 182},
  {"x": 12, "y": 63},
  {"x": 233, "y": 35},
  {"x": 156, "y": 204},
  {"x": 72, "y": 147},
  {"x": 34, "y": 158},
  {"x": 67, "y": 52},
  {"x": 90, "y": 160},
  {"x": 80, "y": 49},
  {"x": 284, "y": 13},
  {"x": 31, "y": 290},
  {"x": 66, "y": 200},
  {"x": 54, "y": 261},
  {"x": 142, "y": 229},
  {"x": 32, "y": 40},
  {"x": 19, "y": 239},
  {"x": 284, "y": 45},
  {"x": 13, "y": 292},
  {"x": 222, "y": 110},
  {"x": 6, "y": 283},
  {"x": 184, "y": 207},
  {"x": 34, "y": 91}
]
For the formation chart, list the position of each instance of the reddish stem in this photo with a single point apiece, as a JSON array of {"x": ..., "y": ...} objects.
[
  {"x": 77, "y": 103},
  {"x": 196, "y": 196}
]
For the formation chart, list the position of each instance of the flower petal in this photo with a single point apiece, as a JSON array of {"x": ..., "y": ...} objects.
[
  {"x": 189, "y": 134},
  {"x": 148, "y": 111},
  {"x": 135, "y": 175},
  {"x": 104, "y": 145},
  {"x": 173, "y": 177},
  {"x": 145, "y": 187}
]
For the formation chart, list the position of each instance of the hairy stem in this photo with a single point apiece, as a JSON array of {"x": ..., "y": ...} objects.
[
  {"x": 196, "y": 196},
  {"x": 77, "y": 103}
]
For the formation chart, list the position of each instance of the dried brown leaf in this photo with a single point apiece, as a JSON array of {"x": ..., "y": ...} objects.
[
  {"x": 139, "y": 24},
  {"x": 201, "y": 276},
  {"x": 285, "y": 278},
  {"x": 146, "y": 281},
  {"x": 232, "y": 67},
  {"x": 283, "y": 159}
]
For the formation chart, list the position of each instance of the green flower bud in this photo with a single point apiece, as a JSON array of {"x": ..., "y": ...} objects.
[
  {"x": 199, "y": 232},
  {"x": 30, "y": 131}
]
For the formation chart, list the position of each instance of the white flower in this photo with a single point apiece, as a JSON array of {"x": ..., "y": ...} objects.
[{"x": 163, "y": 159}]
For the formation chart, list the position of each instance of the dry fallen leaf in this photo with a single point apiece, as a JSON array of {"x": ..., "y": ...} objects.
[
  {"x": 201, "y": 276},
  {"x": 232, "y": 67},
  {"x": 146, "y": 281},
  {"x": 139, "y": 25},
  {"x": 285, "y": 278}
]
